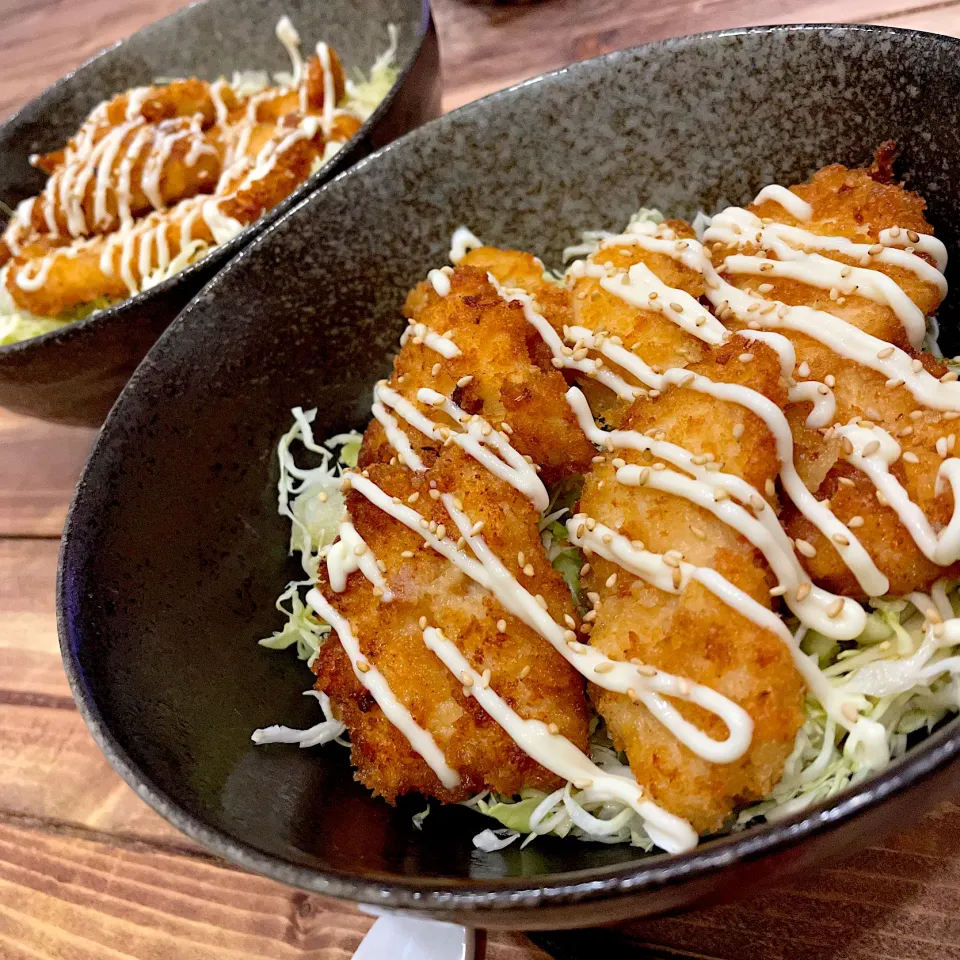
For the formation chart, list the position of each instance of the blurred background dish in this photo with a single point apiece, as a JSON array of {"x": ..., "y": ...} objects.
[
  {"x": 159, "y": 630},
  {"x": 72, "y": 374}
]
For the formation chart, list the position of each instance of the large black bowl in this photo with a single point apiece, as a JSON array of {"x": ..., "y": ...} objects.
[
  {"x": 174, "y": 552},
  {"x": 73, "y": 375}
]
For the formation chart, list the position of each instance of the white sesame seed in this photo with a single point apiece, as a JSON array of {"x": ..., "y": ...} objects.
[
  {"x": 778, "y": 591},
  {"x": 698, "y": 532},
  {"x": 870, "y": 448},
  {"x": 541, "y": 601},
  {"x": 805, "y": 548},
  {"x": 745, "y": 357},
  {"x": 911, "y": 457},
  {"x": 528, "y": 570},
  {"x": 769, "y": 487},
  {"x": 525, "y": 672},
  {"x": 407, "y": 554},
  {"x": 477, "y": 528},
  {"x": 840, "y": 539},
  {"x": 605, "y": 667},
  {"x": 611, "y": 581},
  {"x": 855, "y": 521},
  {"x": 803, "y": 591},
  {"x": 363, "y": 666}
]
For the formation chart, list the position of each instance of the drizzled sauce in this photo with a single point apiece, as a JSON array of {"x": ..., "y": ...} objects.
[
  {"x": 741, "y": 507},
  {"x": 131, "y": 159}
]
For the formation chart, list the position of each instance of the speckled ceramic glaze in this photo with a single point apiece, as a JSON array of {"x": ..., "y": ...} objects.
[
  {"x": 73, "y": 375},
  {"x": 174, "y": 553}
]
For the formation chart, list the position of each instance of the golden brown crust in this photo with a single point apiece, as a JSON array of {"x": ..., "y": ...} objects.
[
  {"x": 508, "y": 385},
  {"x": 695, "y": 634},
  {"x": 859, "y": 204}
]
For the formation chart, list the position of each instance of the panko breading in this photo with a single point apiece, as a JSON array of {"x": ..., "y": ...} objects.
[
  {"x": 858, "y": 205},
  {"x": 493, "y": 339},
  {"x": 428, "y": 586},
  {"x": 518, "y": 270},
  {"x": 648, "y": 333},
  {"x": 157, "y": 175},
  {"x": 508, "y": 365},
  {"x": 695, "y": 634}
]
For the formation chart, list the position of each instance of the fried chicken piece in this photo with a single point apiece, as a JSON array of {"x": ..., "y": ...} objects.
[
  {"x": 511, "y": 378},
  {"x": 858, "y": 205},
  {"x": 647, "y": 333},
  {"x": 94, "y": 268},
  {"x": 694, "y": 634},
  {"x": 179, "y": 98},
  {"x": 515, "y": 269},
  {"x": 523, "y": 668},
  {"x": 173, "y": 160}
]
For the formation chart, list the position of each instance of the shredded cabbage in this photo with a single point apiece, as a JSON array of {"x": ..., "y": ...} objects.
[
  {"x": 364, "y": 93},
  {"x": 310, "y": 498},
  {"x": 17, "y": 324}
]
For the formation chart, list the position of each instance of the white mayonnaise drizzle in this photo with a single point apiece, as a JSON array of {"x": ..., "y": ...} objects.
[
  {"x": 349, "y": 554},
  {"x": 558, "y": 755},
  {"x": 509, "y": 465},
  {"x": 288, "y": 36},
  {"x": 798, "y": 208},
  {"x": 461, "y": 243},
  {"x": 761, "y": 528},
  {"x": 821, "y": 396},
  {"x": 434, "y": 341},
  {"x": 371, "y": 678},
  {"x": 792, "y": 245},
  {"x": 873, "y": 452},
  {"x": 329, "y": 90},
  {"x": 440, "y": 281}
]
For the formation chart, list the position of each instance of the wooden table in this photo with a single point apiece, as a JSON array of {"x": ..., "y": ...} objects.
[{"x": 87, "y": 871}]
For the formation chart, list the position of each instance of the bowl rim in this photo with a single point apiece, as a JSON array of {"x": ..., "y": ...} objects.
[
  {"x": 440, "y": 896},
  {"x": 220, "y": 254}
]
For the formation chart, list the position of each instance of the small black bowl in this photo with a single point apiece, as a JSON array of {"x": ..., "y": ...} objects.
[
  {"x": 74, "y": 374},
  {"x": 174, "y": 553}
]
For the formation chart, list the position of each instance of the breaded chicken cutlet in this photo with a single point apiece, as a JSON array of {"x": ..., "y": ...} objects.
[
  {"x": 512, "y": 389},
  {"x": 858, "y": 206},
  {"x": 693, "y": 633}
]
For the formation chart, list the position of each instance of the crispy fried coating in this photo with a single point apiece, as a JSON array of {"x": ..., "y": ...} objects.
[
  {"x": 524, "y": 669},
  {"x": 649, "y": 334},
  {"x": 858, "y": 205},
  {"x": 137, "y": 164},
  {"x": 519, "y": 270},
  {"x": 695, "y": 634},
  {"x": 179, "y": 169},
  {"x": 512, "y": 378},
  {"x": 94, "y": 268}
]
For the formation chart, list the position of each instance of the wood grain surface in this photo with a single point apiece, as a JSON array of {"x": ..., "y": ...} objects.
[{"x": 87, "y": 871}]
